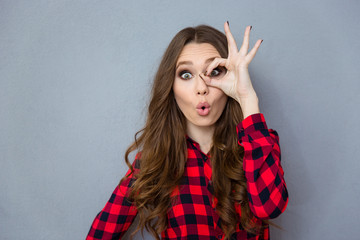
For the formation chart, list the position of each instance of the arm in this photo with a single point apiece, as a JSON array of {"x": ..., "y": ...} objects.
[
  {"x": 265, "y": 177},
  {"x": 268, "y": 196},
  {"x": 118, "y": 214}
]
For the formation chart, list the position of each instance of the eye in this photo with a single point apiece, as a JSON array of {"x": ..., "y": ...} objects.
[
  {"x": 185, "y": 75},
  {"x": 216, "y": 72}
]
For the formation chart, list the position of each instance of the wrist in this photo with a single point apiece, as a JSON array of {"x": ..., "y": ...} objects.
[{"x": 249, "y": 105}]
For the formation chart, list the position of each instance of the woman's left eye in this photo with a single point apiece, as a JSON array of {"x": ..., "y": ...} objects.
[
  {"x": 185, "y": 75},
  {"x": 217, "y": 71}
]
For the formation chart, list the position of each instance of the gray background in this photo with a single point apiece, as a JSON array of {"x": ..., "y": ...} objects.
[{"x": 74, "y": 85}]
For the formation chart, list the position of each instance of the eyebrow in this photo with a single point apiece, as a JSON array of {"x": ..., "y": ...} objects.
[{"x": 191, "y": 63}]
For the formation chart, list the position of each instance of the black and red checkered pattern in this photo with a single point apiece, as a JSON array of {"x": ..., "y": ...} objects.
[{"x": 193, "y": 215}]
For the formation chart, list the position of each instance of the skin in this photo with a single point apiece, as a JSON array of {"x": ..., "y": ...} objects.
[
  {"x": 190, "y": 90},
  {"x": 236, "y": 83}
]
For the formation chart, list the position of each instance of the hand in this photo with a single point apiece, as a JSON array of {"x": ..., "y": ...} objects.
[{"x": 236, "y": 82}]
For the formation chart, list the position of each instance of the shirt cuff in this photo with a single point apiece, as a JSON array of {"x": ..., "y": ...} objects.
[{"x": 250, "y": 124}]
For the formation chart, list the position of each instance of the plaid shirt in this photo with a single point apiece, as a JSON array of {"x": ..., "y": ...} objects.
[{"x": 194, "y": 214}]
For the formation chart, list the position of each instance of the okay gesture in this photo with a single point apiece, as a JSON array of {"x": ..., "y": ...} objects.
[{"x": 236, "y": 82}]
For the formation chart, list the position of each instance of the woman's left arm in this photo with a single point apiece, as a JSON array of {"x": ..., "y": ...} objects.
[
  {"x": 267, "y": 192},
  {"x": 268, "y": 196}
]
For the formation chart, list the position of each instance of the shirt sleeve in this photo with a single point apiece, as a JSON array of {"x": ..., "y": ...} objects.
[
  {"x": 116, "y": 217},
  {"x": 266, "y": 187}
]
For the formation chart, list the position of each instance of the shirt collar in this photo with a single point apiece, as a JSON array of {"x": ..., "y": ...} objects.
[{"x": 195, "y": 144}]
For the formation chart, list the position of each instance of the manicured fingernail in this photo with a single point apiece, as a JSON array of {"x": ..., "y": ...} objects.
[
  {"x": 262, "y": 40},
  {"x": 250, "y": 27},
  {"x": 228, "y": 23}
]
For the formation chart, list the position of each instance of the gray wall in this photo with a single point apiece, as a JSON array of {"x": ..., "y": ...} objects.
[{"x": 74, "y": 84}]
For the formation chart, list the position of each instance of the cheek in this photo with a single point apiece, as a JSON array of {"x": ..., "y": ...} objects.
[
  {"x": 221, "y": 98},
  {"x": 180, "y": 93},
  {"x": 181, "y": 89}
]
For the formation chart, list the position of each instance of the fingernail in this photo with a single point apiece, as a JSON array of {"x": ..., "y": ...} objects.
[
  {"x": 262, "y": 40},
  {"x": 250, "y": 27},
  {"x": 228, "y": 23}
]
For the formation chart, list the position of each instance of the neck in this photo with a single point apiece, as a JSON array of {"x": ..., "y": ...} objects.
[{"x": 202, "y": 135}]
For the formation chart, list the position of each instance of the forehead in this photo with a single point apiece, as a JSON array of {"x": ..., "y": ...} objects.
[{"x": 195, "y": 51}]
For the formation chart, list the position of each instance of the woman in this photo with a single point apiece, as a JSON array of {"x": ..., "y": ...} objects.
[{"x": 207, "y": 165}]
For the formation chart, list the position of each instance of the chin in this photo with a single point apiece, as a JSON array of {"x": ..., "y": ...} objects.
[{"x": 204, "y": 123}]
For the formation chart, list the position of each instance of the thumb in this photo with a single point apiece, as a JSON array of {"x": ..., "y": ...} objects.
[{"x": 209, "y": 81}]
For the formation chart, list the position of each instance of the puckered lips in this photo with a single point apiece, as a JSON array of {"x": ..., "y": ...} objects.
[{"x": 203, "y": 108}]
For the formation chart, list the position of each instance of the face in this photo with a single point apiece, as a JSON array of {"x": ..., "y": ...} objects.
[{"x": 202, "y": 105}]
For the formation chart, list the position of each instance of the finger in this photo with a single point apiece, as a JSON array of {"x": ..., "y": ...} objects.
[
  {"x": 245, "y": 45},
  {"x": 232, "y": 47},
  {"x": 211, "y": 82},
  {"x": 253, "y": 51},
  {"x": 216, "y": 62}
]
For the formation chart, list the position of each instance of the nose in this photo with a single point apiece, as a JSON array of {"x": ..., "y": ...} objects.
[{"x": 201, "y": 87}]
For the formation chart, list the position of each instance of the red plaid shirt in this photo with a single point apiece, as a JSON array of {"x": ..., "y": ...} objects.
[{"x": 194, "y": 215}]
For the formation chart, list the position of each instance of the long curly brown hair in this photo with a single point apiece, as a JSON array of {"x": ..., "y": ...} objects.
[{"x": 162, "y": 143}]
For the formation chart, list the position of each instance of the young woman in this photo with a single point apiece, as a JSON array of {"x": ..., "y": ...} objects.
[{"x": 207, "y": 165}]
